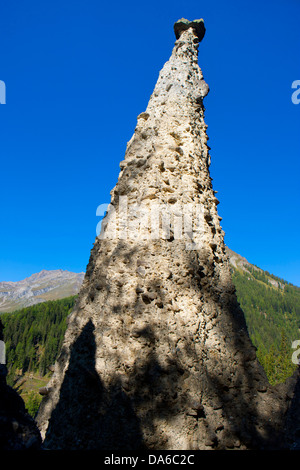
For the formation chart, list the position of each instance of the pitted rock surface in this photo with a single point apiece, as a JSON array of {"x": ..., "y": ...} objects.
[{"x": 157, "y": 353}]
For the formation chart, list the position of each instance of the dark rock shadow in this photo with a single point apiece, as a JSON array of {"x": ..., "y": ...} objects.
[
  {"x": 88, "y": 416},
  {"x": 238, "y": 407}
]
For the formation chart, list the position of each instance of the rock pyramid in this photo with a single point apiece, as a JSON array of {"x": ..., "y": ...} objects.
[{"x": 157, "y": 353}]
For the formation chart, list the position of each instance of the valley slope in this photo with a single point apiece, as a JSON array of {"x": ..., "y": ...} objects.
[{"x": 40, "y": 287}]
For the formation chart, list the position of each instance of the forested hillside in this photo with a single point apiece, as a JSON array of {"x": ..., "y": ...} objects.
[
  {"x": 272, "y": 310},
  {"x": 34, "y": 336}
]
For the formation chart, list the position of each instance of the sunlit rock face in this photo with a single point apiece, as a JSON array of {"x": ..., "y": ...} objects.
[{"x": 157, "y": 354}]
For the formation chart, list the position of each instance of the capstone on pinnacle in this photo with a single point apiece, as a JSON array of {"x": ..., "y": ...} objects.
[{"x": 183, "y": 25}]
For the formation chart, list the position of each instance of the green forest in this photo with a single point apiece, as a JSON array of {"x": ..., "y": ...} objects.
[
  {"x": 34, "y": 335},
  {"x": 272, "y": 313}
]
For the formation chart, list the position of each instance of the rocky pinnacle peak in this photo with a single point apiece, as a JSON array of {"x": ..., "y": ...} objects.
[
  {"x": 183, "y": 24},
  {"x": 157, "y": 353}
]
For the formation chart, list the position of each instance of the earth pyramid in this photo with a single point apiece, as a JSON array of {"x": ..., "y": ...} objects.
[{"x": 156, "y": 353}]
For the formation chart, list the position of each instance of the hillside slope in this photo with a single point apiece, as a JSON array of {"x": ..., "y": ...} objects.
[
  {"x": 34, "y": 335},
  {"x": 40, "y": 287},
  {"x": 272, "y": 310}
]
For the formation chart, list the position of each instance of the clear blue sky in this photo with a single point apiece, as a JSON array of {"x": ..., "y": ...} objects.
[{"x": 77, "y": 74}]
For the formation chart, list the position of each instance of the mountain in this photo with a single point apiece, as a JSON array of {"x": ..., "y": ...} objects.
[
  {"x": 271, "y": 305},
  {"x": 40, "y": 287}
]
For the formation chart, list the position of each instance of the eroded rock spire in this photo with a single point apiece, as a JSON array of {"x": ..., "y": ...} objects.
[
  {"x": 197, "y": 26},
  {"x": 157, "y": 354}
]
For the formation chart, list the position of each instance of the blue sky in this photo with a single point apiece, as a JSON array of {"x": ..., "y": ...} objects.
[{"x": 78, "y": 73}]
